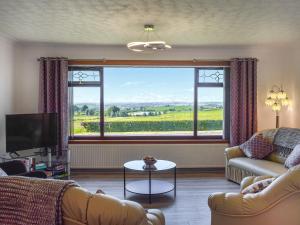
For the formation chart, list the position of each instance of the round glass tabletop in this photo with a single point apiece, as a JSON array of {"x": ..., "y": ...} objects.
[{"x": 159, "y": 165}]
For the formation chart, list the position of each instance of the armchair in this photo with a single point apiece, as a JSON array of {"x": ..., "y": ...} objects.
[
  {"x": 276, "y": 205},
  {"x": 17, "y": 168}
]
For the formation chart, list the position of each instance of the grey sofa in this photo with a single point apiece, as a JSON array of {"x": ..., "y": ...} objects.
[{"x": 239, "y": 166}]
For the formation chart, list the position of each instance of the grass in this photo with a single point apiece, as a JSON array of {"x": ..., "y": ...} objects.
[{"x": 215, "y": 114}]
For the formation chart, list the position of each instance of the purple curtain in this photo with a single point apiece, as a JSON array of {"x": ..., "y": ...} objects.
[
  {"x": 243, "y": 101},
  {"x": 54, "y": 95}
]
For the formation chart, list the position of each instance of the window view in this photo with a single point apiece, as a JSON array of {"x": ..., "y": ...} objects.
[
  {"x": 148, "y": 101},
  {"x": 136, "y": 101},
  {"x": 210, "y": 111},
  {"x": 210, "y": 102}
]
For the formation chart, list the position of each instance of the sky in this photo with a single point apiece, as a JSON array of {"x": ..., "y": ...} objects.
[{"x": 144, "y": 85}]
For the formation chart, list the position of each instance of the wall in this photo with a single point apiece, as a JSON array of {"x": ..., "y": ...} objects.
[
  {"x": 274, "y": 66},
  {"x": 6, "y": 85},
  {"x": 294, "y": 80}
]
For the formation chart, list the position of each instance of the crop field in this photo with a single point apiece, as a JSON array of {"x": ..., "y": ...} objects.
[{"x": 150, "y": 121}]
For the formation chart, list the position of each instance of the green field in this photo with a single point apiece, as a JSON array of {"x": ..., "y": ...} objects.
[{"x": 178, "y": 119}]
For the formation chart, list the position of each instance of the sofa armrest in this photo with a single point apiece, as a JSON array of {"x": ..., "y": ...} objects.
[
  {"x": 247, "y": 181},
  {"x": 106, "y": 209},
  {"x": 81, "y": 207},
  {"x": 237, "y": 204},
  {"x": 233, "y": 152}
]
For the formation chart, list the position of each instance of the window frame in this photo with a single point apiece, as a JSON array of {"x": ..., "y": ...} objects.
[
  {"x": 226, "y": 99},
  {"x": 193, "y": 138},
  {"x": 72, "y": 84}
]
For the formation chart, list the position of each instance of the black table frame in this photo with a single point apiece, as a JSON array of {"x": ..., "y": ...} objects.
[{"x": 150, "y": 171}]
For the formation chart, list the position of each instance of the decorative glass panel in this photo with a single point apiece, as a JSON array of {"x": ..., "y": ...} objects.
[
  {"x": 84, "y": 75},
  {"x": 211, "y": 76}
]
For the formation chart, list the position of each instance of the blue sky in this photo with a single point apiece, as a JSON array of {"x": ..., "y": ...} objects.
[{"x": 136, "y": 85}]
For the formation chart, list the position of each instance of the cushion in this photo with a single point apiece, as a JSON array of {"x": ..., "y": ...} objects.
[
  {"x": 258, "y": 167},
  {"x": 258, "y": 186},
  {"x": 2, "y": 173},
  {"x": 257, "y": 147},
  {"x": 294, "y": 158}
]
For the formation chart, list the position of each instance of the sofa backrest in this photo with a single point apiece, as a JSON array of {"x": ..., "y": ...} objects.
[{"x": 285, "y": 139}]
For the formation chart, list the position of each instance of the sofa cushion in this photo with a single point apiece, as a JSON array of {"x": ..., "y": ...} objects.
[
  {"x": 257, "y": 147},
  {"x": 294, "y": 158},
  {"x": 257, "y": 186},
  {"x": 258, "y": 167}
]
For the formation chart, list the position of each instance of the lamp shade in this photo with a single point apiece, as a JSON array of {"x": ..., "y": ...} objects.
[
  {"x": 276, "y": 107},
  {"x": 285, "y": 101},
  {"x": 281, "y": 95},
  {"x": 273, "y": 94},
  {"x": 269, "y": 101}
]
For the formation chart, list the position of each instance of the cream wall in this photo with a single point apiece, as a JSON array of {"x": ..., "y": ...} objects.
[
  {"x": 6, "y": 85},
  {"x": 294, "y": 80},
  {"x": 273, "y": 68}
]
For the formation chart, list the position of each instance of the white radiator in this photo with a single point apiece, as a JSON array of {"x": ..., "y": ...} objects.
[{"x": 93, "y": 156}]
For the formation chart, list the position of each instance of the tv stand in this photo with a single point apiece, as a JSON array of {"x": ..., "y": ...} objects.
[{"x": 53, "y": 164}]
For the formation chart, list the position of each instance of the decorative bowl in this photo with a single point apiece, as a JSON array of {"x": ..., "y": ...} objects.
[{"x": 149, "y": 160}]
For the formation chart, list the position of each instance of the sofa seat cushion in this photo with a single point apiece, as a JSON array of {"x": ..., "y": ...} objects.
[{"x": 258, "y": 167}]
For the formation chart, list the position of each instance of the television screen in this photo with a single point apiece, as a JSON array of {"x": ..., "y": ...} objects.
[{"x": 28, "y": 131}]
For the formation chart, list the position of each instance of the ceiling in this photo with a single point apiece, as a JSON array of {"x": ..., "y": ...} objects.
[{"x": 179, "y": 22}]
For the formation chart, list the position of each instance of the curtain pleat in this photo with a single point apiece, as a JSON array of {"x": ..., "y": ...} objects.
[{"x": 243, "y": 100}]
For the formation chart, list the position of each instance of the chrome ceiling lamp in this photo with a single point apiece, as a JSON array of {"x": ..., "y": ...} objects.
[{"x": 151, "y": 44}]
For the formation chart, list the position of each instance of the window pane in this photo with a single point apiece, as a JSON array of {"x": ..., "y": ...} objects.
[
  {"x": 84, "y": 75},
  {"x": 86, "y": 113},
  {"x": 210, "y": 111},
  {"x": 211, "y": 76},
  {"x": 148, "y": 101}
]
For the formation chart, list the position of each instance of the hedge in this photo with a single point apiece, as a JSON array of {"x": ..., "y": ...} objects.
[{"x": 136, "y": 126}]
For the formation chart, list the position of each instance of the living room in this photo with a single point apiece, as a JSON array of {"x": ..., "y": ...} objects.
[{"x": 203, "y": 35}]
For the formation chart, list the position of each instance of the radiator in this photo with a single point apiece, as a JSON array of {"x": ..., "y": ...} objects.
[{"x": 93, "y": 156}]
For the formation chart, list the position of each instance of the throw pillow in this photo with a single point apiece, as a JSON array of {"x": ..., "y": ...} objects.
[
  {"x": 294, "y": 158},
  {"x": 257, "y": 186},
  {"x": 2, "y": 173},
  {"x": 257, "y": 147}
]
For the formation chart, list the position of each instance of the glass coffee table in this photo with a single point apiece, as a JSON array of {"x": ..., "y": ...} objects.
[{"x": 150, "y": 186}]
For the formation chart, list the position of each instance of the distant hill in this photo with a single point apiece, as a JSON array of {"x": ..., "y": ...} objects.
[{"x": 148, "y": 104}]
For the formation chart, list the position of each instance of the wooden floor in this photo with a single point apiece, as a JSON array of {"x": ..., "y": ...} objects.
[{"x": 189, "y": 207}]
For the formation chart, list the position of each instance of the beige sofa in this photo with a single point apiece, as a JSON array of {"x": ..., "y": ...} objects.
[
  {"x": 278, "y": 204},
  {"x": 81, "y": 207},
  {"x": 239, "y": 166}
]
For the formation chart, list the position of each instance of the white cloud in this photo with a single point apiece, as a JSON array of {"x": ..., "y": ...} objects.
[{"x": 131, "y": 83}]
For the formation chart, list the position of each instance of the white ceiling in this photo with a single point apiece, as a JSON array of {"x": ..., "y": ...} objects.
[{"x": 179, "y": 22}]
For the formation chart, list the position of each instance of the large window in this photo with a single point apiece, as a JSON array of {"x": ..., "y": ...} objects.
[{"x": 147, "y": 102}]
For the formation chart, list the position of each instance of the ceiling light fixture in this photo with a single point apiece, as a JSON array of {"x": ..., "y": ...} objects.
[{"x": 148, "y": 46}]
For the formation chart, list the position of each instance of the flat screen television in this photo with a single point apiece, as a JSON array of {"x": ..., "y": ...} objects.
[{"x": 29, "y": 131}]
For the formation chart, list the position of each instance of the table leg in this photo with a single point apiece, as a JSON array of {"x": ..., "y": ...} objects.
[
  {"x": 175, "y": 182},
  {"x": 124, "y": 178},
  {"x": 149, "y": 196}
]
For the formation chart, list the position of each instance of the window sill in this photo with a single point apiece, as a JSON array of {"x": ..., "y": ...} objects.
[{"x": 182, "y": 141}]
